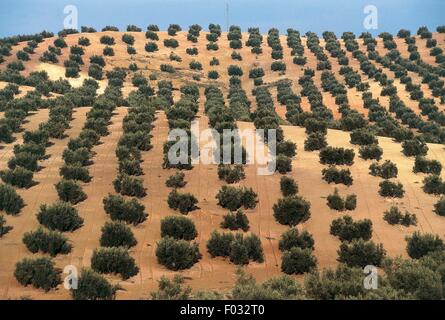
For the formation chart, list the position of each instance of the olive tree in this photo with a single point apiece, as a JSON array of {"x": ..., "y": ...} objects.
[
  {"x": 421, "y": 164},
  {"x": 288, "y": 186},
  {"x": 346, "y": 229},
  {"x": 176, "y": 180},
  {"x": 18, "y": 177},
  {"x": 338, "y": 156},
  {"x": 178, "y": 227},
  {"x": 360, "y": 253},
  {"x": 235, "y": 221},
  {"x": 315, "y": 141},
  {"x": 177, "y": 254},
  {"x": 10, "y": 201},
  {"x": 337, "y": 176},
  {"x": 75, "y": 172},
  {"x": 120, "y": 209},
  {"x": 386, "y": 170},
  {"x": 52, "y": 242},
  {"x": 391, "y": 189},
  {"x": 414, "y": 147},
  {"x": 298, "y": 261},
  {"x": 292, "y": 210},
  {"x": 184, "y": 202},
  {"x": 60, "y": 216},
  {"x": 129, "y": 186},
  {"x": 40, "y": 272},
  {"x": 70, "y": 191},
  {"x": 233, "y": 198},
  {"x": 395, "y": 216},
  {"x": 114, "y": 260},
  {"x": 93, "y": 286},
  {"x": 419, "y": 245},
  {"x": 293, "y": 238},
  {"x": 117, "y": 234},
  {"x": 283, "y": 164}
]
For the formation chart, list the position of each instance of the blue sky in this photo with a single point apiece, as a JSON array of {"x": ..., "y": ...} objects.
[{"x": 31, "y": 16}]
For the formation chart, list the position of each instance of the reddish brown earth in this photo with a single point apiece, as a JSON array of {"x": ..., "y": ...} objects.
[{"x": 209, "y": 273}]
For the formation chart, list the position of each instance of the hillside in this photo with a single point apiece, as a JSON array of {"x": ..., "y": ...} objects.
[{"x": 217, "y": 273}]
